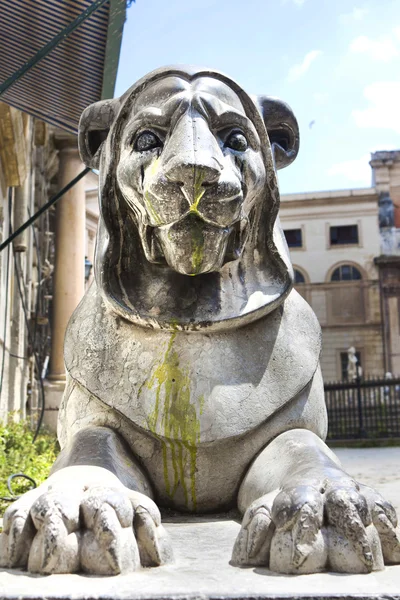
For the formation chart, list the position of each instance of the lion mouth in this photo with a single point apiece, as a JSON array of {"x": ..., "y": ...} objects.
[
  {"x": 192, "y": 246},
  {"x": 220, "y": 212}
]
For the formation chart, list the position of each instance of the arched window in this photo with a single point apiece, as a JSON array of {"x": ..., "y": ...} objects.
[
  {"x": 346, "y": 273},
  {"x": 298, "y": 277},
  {"x": 346, "y": 295},
  {"x": 301, "y": 280}
]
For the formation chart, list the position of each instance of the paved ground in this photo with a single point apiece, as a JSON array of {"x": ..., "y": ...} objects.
[
  {"x": 376, "y": 467},
  {"x": 202, "y": 571}
]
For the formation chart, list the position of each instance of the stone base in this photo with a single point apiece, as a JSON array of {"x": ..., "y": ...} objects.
[
  {"x": 53, "y": 394},
  {"x": 202, "y": 571}
]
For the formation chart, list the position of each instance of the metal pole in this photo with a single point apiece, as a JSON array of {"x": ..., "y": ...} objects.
[
  {"x": 44, "y": 208},
  {"x": 359, "y": 404},
  {"x": 49, "y": 47}
]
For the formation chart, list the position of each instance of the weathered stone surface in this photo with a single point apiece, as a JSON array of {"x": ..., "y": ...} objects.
[
  {"x": 193, "y": 375},
  {"x": 202, "y": 548},
  {"x": 83, "y": 519}
]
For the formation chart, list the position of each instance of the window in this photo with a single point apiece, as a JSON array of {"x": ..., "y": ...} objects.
[
  {"x": 344, "y": 359},
  {"x": 346, "y": 273},
  {"x": 298, "y": 277},
  {"x": 345, "y": 234},
  {"x": 346, "y": 297},
  {"x": 293, "y": 238}
]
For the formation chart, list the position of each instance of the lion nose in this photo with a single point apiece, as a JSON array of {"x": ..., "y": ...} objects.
[
  {"x": 201, "y": 173},
  {"x": 193, "y": 158}
]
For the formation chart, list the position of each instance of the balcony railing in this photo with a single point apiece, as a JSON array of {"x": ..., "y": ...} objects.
[{"x": 364, "y": 408}]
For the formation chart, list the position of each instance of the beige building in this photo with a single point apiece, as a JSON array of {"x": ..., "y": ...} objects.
[
  {"x": 337, "y": 246},
  {"x": 42, "y": 272}
]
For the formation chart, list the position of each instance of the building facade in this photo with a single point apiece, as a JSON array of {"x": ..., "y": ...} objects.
[
  {"x": 42, "y": 273},
  {"x": 341, "y": 248}
]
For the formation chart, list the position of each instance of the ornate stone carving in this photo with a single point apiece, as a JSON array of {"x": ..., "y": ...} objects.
[{"x": 193, "y": 366}]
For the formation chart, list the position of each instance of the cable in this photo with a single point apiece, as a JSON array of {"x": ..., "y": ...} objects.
[
  {"x": 16, "y": 356},
  {"x": 3, "y": 360},
  {"x": 44, "y": 208},
  {"x": 9, "y": 487},
  {"x": 37, "y": 354},
  {"x": 18, "y": 278},
  {"x": 39, "y": 282},
  {"x": 33, "y": 337},
  {"x": 39, "y": 372}
]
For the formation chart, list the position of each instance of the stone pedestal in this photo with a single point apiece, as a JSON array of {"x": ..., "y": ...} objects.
[{"x": 53, "y": 393}]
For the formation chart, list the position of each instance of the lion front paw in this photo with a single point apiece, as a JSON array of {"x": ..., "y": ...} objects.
[
  {"x": 307, "y": 529},
  {"x": 66, "y": 526}
]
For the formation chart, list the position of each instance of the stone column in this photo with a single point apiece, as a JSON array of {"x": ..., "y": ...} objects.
[{"x": 69, "y": 271}]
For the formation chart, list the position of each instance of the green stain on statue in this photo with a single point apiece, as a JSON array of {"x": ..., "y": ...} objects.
[
  {"x": 197, "y": 245},
  {"x": 197, "y": 226},
  {"x": 198, "y": 191},
  {"x": 179, "y": 423},
  {"x": 151, "y": 173},
  {"x": 152, "y": 211}
]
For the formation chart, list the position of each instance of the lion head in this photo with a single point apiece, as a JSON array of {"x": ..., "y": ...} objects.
[{"x": 188, "y": 234}]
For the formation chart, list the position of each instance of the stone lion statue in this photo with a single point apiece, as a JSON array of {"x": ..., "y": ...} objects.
[{"x": 193, "y": 365}]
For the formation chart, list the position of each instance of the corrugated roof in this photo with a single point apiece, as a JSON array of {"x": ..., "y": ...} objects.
[{"x": 80, "y": 70}]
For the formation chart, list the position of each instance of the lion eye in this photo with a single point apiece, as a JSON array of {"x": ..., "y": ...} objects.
[
  {"x": 237, "y": 141},
  {"x": 147, "y": 140}
]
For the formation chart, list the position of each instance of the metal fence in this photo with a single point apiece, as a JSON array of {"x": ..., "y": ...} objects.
[{"x": 364, "y": 408}]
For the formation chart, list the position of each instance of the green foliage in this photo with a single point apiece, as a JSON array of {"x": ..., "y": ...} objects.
[{"x": 19, "y": 455}]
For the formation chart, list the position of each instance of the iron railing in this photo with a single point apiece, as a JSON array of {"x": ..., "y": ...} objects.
[{"x": 363, "y": 408}]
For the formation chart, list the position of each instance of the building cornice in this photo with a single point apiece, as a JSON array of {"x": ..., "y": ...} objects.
[{"x": 332, "y": 197}]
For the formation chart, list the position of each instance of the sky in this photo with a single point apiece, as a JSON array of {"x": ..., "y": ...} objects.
[{"x": 335, "y": 62}]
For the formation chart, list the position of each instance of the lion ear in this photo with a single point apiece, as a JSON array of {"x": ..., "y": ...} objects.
[
  {"x": 94, "y": 125},
  {"x": 282, "y": 128}
]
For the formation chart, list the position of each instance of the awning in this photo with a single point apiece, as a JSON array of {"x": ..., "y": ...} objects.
[{"x": 80, "y": 70}]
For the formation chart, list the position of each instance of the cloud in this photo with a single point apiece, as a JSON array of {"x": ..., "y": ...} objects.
[
  {"x": 381, "y": 49},
  {"x": 320, "y": 98},
  {"x": 297, "y": 71},
  {"x": 296, "y": 2},
  {"x": 357, "y": 14},
  {"x": 357, "y": 170},
  {"x": 383, "y": 111}
]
